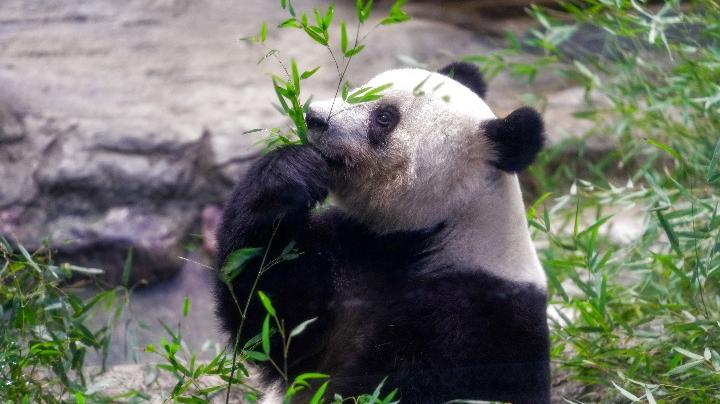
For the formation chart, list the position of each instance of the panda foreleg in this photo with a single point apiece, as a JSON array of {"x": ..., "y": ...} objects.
[{"x": 268, "y": 209}]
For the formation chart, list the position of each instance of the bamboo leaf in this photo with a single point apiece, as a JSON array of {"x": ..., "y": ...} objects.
[
  {"x": 669, "y": 150},
  {"x": 291, "y": 9},
  {"x": 186, "y": 306},
  {"x": 263, "y": 32},
  {"x": 301, "y": 327},
  {"x": 317, "y": 397},
  {"x": 354, "y": 51},
  {"x": 345, "y": 91},
  {"x": 672, "y": 237},
  {"x": 344, "y": 38},
  {"x": 318, "y": 18},
  {"x": 127, "y": 268},
  {"x": 315, "y": 36},
  {"x": 649, "y": 396},
  {"x": 281, "y": 94},
  {"x": 267, "y": 55},
  {"x": 376, "y": 393},
  {"x": 532, "y": 211},
  {"x": 266, "y": 335},
  {"x": 367, "y": 94},
  {"x": 685, "y": 367},
  {"x": 256, "y": 356},
  {"x": 363, "y": 9},
  {"x": 306, "y": 74},
  {"x": 626, "y": 393},
  {"x": 236, "y": 262},
  {"x": 367, "y": 10},
  {"x": 688, "y": 353},
  {"x": 714, "y": 166},
  {"x": 28, "y": 258},
  {"x": 328, "y": 16},
  {"x": 290, "y": 23},
  {"x": 379, "y": 89},
  {"x": 267, "y": 303},
  {"x": 295, "y": 76},
  {"x": 396, "y": 15}
]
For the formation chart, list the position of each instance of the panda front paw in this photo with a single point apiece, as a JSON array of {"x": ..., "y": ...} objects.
[{"x": 293, "y": 177}]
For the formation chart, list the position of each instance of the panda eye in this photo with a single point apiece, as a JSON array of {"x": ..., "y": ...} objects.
[{"x": 384, "y": 118}]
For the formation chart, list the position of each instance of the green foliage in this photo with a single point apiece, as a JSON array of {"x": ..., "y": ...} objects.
[
  {"x": 287, "y": 84},
  {"x": 196, "y": 381},
  {"x": 396, "y": 15},
  {"x": 637, "y": 320},
  {"x": 46, "y": 332},
  {"x": 366, "y": 94},
  {"x": 236, "y": 262},
  {"x": 201, "y": 381}
]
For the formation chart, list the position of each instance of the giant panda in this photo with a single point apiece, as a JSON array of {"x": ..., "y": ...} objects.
[{"x": 422, "y": 269}]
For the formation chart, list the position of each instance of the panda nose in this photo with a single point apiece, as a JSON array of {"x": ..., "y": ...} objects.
[{"x": 315, "y": 122}]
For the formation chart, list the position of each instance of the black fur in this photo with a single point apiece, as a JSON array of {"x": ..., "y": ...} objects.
[
  {"x": 517, "y": 139},
  {"x": 383, "y": 307},
  {"x": 278, "y": 190},
  {"x": 468, "y": 75}
]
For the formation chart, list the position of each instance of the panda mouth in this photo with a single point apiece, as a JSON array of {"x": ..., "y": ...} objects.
[
  {"x": 333, "y": 159},
  {"x": 333, "y": 147}
]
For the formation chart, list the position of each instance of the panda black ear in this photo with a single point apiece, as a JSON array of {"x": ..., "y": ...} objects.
[
  {"x": 517, "y": 139},
  {"x": 468, "y": 75}
]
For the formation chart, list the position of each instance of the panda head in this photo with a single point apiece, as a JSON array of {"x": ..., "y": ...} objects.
[{"x": 426, "y": 150}]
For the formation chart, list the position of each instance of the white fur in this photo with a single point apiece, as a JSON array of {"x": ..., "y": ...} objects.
[
  {"x": 435, "y": 168},
  {"x": 273, "y": 394}
]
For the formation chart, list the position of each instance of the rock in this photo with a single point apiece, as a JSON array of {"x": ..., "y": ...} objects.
[
  {"x": 18, "y": 162},
  {"x": 155, "y": 236},
  {"x": 11, "y": 126}
]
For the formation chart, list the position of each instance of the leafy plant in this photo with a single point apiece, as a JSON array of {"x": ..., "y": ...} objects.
[
  {"x": 201, "y": 381},
  {"x": 46, "y": 332},
  {"x": 288, "y": 85},
  {"x": 636, "y": 320}
]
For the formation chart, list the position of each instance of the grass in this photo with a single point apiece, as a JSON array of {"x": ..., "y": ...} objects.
[{"x": 637, "y": 318}]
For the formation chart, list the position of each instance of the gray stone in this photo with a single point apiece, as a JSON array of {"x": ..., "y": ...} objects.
[
  {"x": 155, "y": 236},
  {"x": 11, "y": 126}
]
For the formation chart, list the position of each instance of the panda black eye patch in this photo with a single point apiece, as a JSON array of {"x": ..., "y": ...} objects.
[
  {"x": 382, "y": 121},
  {"x": 384, "y": 118}
]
